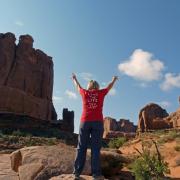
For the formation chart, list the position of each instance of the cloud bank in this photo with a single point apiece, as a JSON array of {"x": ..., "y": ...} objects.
[
  {"x": 171, "y": 81},
  {"x": 142, "y": 66}
]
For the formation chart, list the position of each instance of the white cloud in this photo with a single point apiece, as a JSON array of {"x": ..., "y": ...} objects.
[
  {"x": 112, "y": 92},
  {"x": 142, "y": 66},
  {"x": 70, "y": 94},
  {"x": 19, "y": 23},
  {"x": 165, "y": 104},
  {"x": 86, "y": 76},
  {"x": 171, "y": 81}
]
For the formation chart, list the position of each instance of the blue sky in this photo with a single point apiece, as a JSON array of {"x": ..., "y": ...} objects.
[{"x": 137, "y": 40}]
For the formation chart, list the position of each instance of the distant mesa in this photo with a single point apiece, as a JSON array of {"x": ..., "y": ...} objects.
[
  {"x": 151, "y": 117},
  {"x": 121, "y": 128},
  {"x": 26, "y": 83}
]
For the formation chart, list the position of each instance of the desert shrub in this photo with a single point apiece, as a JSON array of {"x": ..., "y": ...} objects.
[
  {"x": 147, "y": 143},
  {"x": 117, "y": 142},
  {"x": 38, "y": 141},
  {"x": 174, "y": 134},
  {"x": 149, "y": 165},
  {"x": 1, "y": 134},
  {"x": 170, "y": 136},
  {"x": 20, "y": 133},
  {"x": 162, "y": 140},
  {"x": 159, "y": 132},
  {"x": 17, "y": 133}
]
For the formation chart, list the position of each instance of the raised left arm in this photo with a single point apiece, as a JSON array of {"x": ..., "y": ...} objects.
[{"x": 76, "y": 82}]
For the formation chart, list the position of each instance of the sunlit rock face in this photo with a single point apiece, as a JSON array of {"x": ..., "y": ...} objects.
[{"x": 26, "y": 79}]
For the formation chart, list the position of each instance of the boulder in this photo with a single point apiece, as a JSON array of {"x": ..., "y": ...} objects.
[
  {"x": 6, "y": 173},
  {"x": 44, "y": 162},
  {"x": 151, "y": 117}
]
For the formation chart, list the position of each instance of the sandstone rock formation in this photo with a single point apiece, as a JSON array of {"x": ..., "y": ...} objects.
[
  {"x": 6, "y": 173},
  {"x": 26, "y": 86},
  {"x": 151, "y": 117},
  {"x": 126, "y": 126},
  {"x": 110, "y": 124},
  {"x": 26, "y": 82},
  {"x": 67, "y": 121},
  {"x": 113, "y": 128},
  {"x": 44, "y": 162},
  {"x": 174, "y": 119}
]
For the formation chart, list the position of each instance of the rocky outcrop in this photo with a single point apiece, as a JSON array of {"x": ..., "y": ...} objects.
[
  {"x": 26, "y": 82},
  {"x": 44, "y": 162},
  {"x": 67, "y": 123},
  {"x": 121, "y": 128},
  {"x": 26, "y": 86},
  {"x": 62, "y": 128},
  {"x": 6, "y": 173},
  {"x": 174, "y": 119},
  {"x": 126, "y": 126},
  {"x": 116, "y": 134},
  {"x": 151, "y": 117},
  {"x": 110, "y": 124}
]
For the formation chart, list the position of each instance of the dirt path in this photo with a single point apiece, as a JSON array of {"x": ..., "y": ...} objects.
[{"x": 6, "y": 173}]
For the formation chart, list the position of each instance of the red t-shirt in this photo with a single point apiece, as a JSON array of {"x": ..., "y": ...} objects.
[{"x": 92, "y": 104}]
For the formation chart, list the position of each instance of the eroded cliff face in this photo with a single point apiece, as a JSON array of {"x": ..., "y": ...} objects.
[
  {"x": 121, "y": 128},
  {"x": 152, "y": 117},
  {"x": 26, "y": 79}
]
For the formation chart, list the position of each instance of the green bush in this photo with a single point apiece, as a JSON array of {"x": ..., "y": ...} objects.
[
  {"x": 174, "y": 134},
  {"x": 149, "y": 166},
  {"x": 117, "y": 142},
  {"x": 20, "y": 133},
  {"x": 17, "y": 133}
]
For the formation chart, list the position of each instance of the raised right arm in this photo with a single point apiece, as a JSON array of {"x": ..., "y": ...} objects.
[{"x": 76, "y": 82}]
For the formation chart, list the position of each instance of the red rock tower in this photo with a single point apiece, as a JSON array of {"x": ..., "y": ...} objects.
[{"x": 26, "y": 79}]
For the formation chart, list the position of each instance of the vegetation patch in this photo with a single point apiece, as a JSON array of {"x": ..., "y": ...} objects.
[
  {"x": 149, "y": 166},
  {"x": 117, "y": 142}
]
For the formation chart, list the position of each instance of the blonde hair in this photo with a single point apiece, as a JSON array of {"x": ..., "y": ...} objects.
[{"x": 92, "y": 85}]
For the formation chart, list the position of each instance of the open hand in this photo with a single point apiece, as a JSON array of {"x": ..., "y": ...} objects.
[
  {"x": 73, "y": 76},
  {"x": 115, "y": 78}
]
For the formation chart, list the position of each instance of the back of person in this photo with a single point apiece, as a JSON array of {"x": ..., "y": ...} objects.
[
  {"x": 91, "y": 126},
  {"x": 92, "y": 104}
]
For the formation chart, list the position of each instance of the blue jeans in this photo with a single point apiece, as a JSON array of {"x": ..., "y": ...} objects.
[{"x": 89, "y": 132}]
